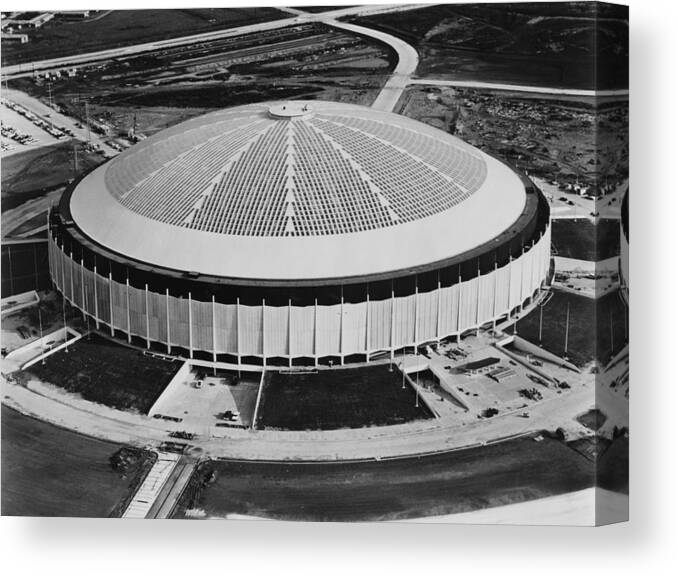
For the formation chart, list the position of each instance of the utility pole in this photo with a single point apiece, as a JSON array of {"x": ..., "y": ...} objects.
[
  {"x": 541, "y": 321},
  {"x": 75, "y": 159},
  {"x": 567, "y": 326},
  {"x": 89, "y": 134},
  {"x": 51, "y": 104},
  {"x": 42, "y": 341}
]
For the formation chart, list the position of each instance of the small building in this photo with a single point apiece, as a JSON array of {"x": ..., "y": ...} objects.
[
  {"x": 479, "y": 366},
  {"x": 29, "y": 19},
  {"x": 20, "y": 38}
]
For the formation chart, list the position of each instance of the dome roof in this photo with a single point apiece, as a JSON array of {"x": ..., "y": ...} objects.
[
  {"x": 297, "y": 190},
  {"x": 298, "y": 168}
]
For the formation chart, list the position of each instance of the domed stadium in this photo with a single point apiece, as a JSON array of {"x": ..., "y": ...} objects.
[{"x": 299, "y": 233}]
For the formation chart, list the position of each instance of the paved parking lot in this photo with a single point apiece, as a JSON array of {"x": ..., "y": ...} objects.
[{"x": 201, "y": 408}]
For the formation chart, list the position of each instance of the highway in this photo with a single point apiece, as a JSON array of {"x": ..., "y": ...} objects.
[
  {"x": 53, "y": 64},
  {"x": 520, "y": 88}
]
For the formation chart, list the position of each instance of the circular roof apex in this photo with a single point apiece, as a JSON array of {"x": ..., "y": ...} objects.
[{"x": 290, "y": 110}]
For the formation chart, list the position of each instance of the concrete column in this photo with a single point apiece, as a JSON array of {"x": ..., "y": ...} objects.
[
  {"x": 148, "y": 318},
  {"x": 190, "y": 327},
  {"x": 367, "y": 326},
  {"x": 315, "y": 332},
  {"x": 522, "y": 276},
  {"x": 459, "y": 308},
  {"x": 392, "y": 322},
  {"x": 263, "y": 330},
  {"x": 82, "y": 287},
  {"x": 96, "y": 298},
  {"x": 438, "y": 310},
  {"x": 494, "y": 296},
  {"x": 63, "y": 273},
  {"x": 129, "y": 320},
  {"x": 510, "y": 285},
  {"x": 237, "y": 330},
  {"x": 70, "y": 267},
  {"x": 110, "y": 299},
  {"x": 341, "y": 328},
  {"x": 289, "y": 332},
  {"x": 416, "y": 314},
  {"x": 214, "y": 331},
  {"x": 167, "y": 318},
  {"x": 478, "y": 302},
  {"x": 532, "y": 273}
]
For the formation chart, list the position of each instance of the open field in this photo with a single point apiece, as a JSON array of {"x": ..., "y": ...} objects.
[
  {"x": 337, "y": 398},
  {"x": 127, "y": 27},
  {"x": 24, "y": 267},
  {"x": 545, "y": 45},
  {"x": 472, "y": 479},
  {"x": 111, "y": 374},
  {"x": 583, "y": 240},
  {"x": 597, "y": 327},
  {"x": 562, "y": 140},
  {"x": 49, "y": 471},
  {"x": 33, "y": 173}
]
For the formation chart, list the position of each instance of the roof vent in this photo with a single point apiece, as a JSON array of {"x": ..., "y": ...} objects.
[{"x": 290, "y": 110}]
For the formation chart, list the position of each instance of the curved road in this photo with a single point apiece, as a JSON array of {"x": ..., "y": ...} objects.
[{"x": 408, "y": 60}]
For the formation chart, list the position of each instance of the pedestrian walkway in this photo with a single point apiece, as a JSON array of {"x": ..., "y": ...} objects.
[{"x": 149, "y": 490}]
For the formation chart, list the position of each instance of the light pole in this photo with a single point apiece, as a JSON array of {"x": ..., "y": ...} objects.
[
  {"x": 42, "y": 342},
  {"x": 567, "y": 326},
  {"x": 541, "y": 320}
]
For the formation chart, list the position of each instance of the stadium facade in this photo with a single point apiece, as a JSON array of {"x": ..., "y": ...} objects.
[{"x": 299, "y": 233}]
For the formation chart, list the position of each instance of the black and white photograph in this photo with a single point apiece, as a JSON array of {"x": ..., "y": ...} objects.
[{"x": 319, "y": 263}]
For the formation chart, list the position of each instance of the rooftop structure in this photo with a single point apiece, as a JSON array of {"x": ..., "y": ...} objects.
[{"x": 295, "y": 190}]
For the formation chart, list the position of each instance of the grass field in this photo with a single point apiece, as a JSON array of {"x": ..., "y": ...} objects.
[
  {"x": 597, "y": 327},
  {"x": 613, "y": 466},
  {"x": 49, "y": 471},
  {"x": 548, "y": 44},
  {"x": 110, "y": 374},
  {"x": 513, "y": 471},
  {"x": 337, "y": 398},
  {"x": 31, "y": 174},
  {"x": 129, "y": 27},
  {"x": 582, "y": 240},
  {"x": 24, "y": 267}
]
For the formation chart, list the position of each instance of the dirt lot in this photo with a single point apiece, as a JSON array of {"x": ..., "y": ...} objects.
[
  {"x": 337, "y": 398},
  {"x": 111, "y": 374},
  {"x": 566, "y": 141},
  {"x": 49, "y": 471},
  {"x": 597, "y": 327},
  {"x": 462, "y": 481},
  {"x": 535, "y": 44},
  {"x": 127, "y": 27}
]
